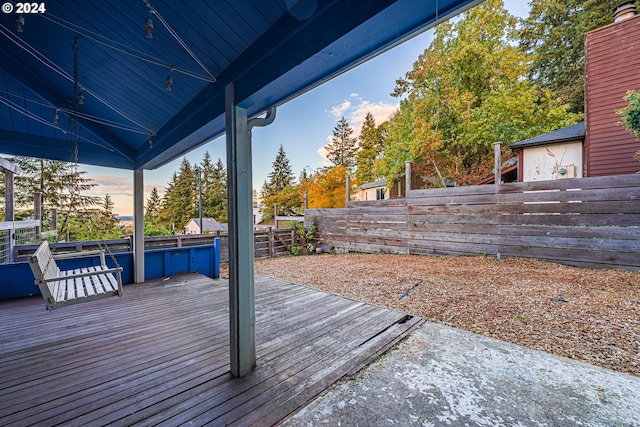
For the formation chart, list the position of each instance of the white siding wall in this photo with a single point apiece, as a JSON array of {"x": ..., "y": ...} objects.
[{"x": 542, "y": 163}]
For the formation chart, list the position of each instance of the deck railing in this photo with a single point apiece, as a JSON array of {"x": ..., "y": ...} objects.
[
  {"x": 268, "y": 242},
  {"x": 14, "y": 233}
]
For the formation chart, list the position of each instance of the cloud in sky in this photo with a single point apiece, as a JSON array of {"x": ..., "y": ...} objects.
[{"x": 355, "y": 110}]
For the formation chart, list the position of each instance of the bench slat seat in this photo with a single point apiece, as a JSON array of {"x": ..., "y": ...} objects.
[{"x": 65, "y": 287}]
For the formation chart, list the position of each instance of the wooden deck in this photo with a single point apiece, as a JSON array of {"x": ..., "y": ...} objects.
[{"x": 160, "y": 354}]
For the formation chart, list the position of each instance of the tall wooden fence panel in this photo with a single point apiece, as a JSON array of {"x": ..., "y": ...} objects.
[{"x": 590, "y": 222}]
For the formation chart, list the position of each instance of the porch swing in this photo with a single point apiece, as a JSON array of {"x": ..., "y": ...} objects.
[{"x": 58, "y": 287}]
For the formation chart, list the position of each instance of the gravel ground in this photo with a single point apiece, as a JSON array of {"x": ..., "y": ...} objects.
[{"x": 584, "y": 314}]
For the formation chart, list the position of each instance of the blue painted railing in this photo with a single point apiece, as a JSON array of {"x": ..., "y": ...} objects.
[{"x": 16, "y": 280}]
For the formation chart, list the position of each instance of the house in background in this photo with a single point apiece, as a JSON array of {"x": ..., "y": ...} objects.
[
  {"x": 598, "y": 146},
  {"x": 554, "y": 155},
  {"x": 376, "y": 190},
  {"x": 209, "y": 225}
]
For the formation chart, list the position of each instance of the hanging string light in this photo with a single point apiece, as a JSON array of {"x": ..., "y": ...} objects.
[
  {"x": 148, "y": 26},
  {"x": 169, "y": 84},
  {"x": 80, "y": 98},
  {"x": 19, "y": 22},
  {"x": 55, "y": 117}
]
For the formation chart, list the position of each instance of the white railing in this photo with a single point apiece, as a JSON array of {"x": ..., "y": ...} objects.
[{"x": 16, "y": 233}]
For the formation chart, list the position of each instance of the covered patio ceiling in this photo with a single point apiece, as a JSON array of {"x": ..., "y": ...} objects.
[{"x": 273, "y": 50}]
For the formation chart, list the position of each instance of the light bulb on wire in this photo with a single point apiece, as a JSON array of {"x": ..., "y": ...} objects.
[
  {"x": 55, "y": 117},
  {"x": 148, "y": 27},
  {"x": 80, "y": 98},
  {"x": 169, "y": 84},
  {"x": 19, "y": 23}
]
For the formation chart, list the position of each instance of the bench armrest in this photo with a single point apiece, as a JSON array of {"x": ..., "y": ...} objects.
[{"x": 72, "y": 255}]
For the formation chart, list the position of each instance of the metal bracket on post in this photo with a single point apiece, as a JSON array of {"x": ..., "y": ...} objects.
[{"x": 262, "y": 121}]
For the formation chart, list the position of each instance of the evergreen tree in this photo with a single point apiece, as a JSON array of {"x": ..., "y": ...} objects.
[
  {"x": 107, "y": 211},
  {"x": 341, "y": 151},
  {"x": 281, "y": 175},
  {"x": 152, "y": 208},
  {"x": 214, "y": 190},
  {"x": 181, "y": 199},
  {"x": 370, "y": 146},
  {"x": 61, "y": 184},
  {"x": 553, "y": 36}
]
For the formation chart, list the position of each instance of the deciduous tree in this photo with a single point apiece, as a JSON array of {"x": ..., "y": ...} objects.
[
  {"x": 466, "y": 91},
  {"x": 327, "y": 188}
]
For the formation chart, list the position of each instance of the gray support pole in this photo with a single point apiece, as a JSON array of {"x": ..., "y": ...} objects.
[
  {"x": 306, "y": 200},
  {"x": 497, "y": 163},
  {"x": 407, "y": 178},
  {"x": 138, "y": 225},
  {"x": 241, "y": 276}
]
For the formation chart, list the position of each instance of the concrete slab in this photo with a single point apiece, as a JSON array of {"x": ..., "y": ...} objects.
[{"x": 441, "y": 376}]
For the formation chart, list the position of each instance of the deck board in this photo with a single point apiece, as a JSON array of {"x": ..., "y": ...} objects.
[{"x": 160, "y": 354}]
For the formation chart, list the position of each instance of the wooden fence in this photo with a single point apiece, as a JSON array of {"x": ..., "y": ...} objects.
[
  {"x": 267, "y": 243},
  {"x": 587, "y": 222}
]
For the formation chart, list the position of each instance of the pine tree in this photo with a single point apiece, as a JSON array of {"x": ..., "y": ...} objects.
[
  {"x": 370, "y": 146},
  {"x": 152, "y": 208},
  {"x": 341, "y": 151},
  {"x": 214, "y": 189},
  {"x": 280, "y": 190},
  {"x": 181, "y": 199},
  {"x": 281, "y": 175}
]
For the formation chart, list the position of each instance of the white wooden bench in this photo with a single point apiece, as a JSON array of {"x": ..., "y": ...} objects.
[{"x": 66, "y": 287}]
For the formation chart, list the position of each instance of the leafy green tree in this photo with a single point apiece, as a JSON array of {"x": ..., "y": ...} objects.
[
  {"x": 464, "y": 92},
  {"x": 553, "y": 37},
  {"x": 630, "y": 114},
  {"x": 370, "y": 147},
  {"x": 341, "y": 151}
]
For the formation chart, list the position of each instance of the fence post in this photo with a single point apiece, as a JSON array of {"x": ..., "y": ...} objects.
[
  {"x": 275, "y": 215},
  {"x": 348, "y": 190},
  {"x": 270, "y": 242},
  {"x": 306, "y": 200},
  {"x": 37, "y": 211},
  {"x": 407, "y": 178},
  {"x": 497, "y": 163}
]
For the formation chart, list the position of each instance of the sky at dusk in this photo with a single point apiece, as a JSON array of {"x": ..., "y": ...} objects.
[{"x": 303, "y": 125}]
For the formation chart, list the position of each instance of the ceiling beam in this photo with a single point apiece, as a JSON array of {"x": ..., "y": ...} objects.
[
  {"x": 20, "y": 144},
  {"x": 52, "y": 96}
]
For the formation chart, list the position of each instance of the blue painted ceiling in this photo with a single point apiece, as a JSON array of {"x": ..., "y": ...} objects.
[{"x": 272, "y": 49}]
